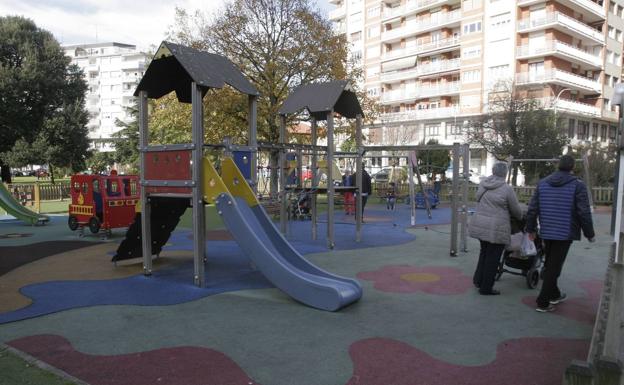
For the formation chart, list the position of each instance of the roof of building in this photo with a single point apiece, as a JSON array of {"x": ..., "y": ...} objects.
[
  {"x": 320, "y": 98},
  {"x": 98, "y": 45},
  {"x": 174, "y": 67}
]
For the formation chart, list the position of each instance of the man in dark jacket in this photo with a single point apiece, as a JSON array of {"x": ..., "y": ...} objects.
[
  {"x": 367, "y": 188},
  {"x": 561, "y": 204}
]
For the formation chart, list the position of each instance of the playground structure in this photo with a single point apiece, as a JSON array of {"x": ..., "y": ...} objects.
[
  {"x": 174, "y": 177},
  {"x": 102, "y": 202},
  {"x": 14, "y": 208}
]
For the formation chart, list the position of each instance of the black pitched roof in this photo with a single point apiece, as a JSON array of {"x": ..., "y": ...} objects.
[
  {"x": 174, "y": 67},
  {"x": 319, "y": 98}
]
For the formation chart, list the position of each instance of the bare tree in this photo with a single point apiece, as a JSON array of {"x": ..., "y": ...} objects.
[{"x": 518, "y": 126}]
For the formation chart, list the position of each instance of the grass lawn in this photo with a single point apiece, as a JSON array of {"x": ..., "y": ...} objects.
[{"x": 16, "y": 371}]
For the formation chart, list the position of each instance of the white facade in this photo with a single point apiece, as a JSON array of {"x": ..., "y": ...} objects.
[
  {"x": 112, "y": 72},
  {"x": 432, "y": 64}
]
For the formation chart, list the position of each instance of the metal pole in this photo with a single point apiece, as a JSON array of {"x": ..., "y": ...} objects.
[
  {"x": 253, "y": 139},
  {"x": 412, "y": 162},
  {"x": 455, "y": 192},
  {"x": 146, "y": 229},
  {"x": 282, "y": 176},
  {"x": 199, "y": 224},
  {"x": 464, "y": 208},
  {"x": 313, "y": 182},
  {"x": 330, "y": 180},
  {"x": 617, "y": 228},
  {"x": 422, "y": 188},
  {"x": 358, "y": 168},
  {"x": 588, "y": 181},
  {"x": 299, "y": 167}
]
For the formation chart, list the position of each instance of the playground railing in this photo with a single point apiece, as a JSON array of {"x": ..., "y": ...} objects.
[
  {"x": 600, "y": 195},
  {"x": 25, "y": 192}
]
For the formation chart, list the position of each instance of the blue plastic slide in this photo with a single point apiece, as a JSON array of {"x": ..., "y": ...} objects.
[{"x": 279, "y": 262}]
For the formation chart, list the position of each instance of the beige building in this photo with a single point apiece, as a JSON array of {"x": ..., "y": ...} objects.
[{"x": 433, "y": 63}]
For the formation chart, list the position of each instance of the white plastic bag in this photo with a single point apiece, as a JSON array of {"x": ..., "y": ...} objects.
[
  {"x": 516, "y": 242},
  {"x": 528, "y": 246}
]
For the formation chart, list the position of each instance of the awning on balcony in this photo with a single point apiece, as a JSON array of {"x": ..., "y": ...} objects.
[{"x": 398, "y": 64}]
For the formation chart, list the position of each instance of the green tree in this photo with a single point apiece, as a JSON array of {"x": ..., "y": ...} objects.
[
  {"x": 433, "y": 162},
  {"x": 601, "y": 162},
  {"x": 278, "y": 45},
  {"x": 127, "y": 141},
  {"x": 517, "y": 126},
  {"x": 41, "y": 98}
]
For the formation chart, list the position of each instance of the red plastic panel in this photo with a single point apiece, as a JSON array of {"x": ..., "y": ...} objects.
[{"x": 168, "y": 165}]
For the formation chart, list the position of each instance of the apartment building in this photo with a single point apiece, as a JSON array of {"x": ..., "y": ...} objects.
[
  {"x": 434, "y": 63},
  {"x": 112, "y": 72}
]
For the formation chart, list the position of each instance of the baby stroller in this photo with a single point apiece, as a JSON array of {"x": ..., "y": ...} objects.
[
  {"x": 300, "y": 206},
  {"x": 529, "y": 266}
]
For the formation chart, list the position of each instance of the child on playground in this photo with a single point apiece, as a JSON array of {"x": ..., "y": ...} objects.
[{"x": 391, "y": 194}]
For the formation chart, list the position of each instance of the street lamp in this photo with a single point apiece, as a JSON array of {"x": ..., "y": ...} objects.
[{"x": 557, "y": 102}]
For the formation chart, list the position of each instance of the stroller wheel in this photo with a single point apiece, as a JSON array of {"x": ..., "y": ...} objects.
[
  {"x": 499, "y": 271},
  {"x": 532, "y": 278}
]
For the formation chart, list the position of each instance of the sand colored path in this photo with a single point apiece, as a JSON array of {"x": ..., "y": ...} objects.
[{"x": 89, "y": 263}]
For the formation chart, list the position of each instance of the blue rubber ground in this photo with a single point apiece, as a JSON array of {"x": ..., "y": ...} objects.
[{"x": 228, "y": 268}]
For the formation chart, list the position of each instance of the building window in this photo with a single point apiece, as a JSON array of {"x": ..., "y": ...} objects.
[
  {"x": 373, "y": 91},
  {"x": 472, "y": 28},
  {"x": 612, "y": 133},
  {"x": 594, "y": 134},
  {"x": 571, "y": 128},
  {"x": 603, "y": 132},
  {"x": 432, "y": 129},
  {"x": 373, "y": 31},
  {"x": 374, "y": 11},
  {"x": 454, "y": 128},
  {"x": 471, "y": 76},
  {"x": 356, "y": 36},
  {"x": 500, "y": 21},
  {"x": 583, "y": 130},
  {"x": 471, "y": 52}
]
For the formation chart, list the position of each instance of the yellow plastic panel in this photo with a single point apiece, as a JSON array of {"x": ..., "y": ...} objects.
[
  {"x": 213, "y": 185},
  {"x": 236, "y": 183}
]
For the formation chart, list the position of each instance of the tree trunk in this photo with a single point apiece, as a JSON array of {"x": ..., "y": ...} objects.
[
  {"x": 5, "y": 171},
  {"x": 514, "y": 175},
  {"x": 51, "y": 173}
]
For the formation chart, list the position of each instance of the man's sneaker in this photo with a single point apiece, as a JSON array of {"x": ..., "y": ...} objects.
[
  {"x": 545, "y": 309},
  {"x": 561, "y": 298}
]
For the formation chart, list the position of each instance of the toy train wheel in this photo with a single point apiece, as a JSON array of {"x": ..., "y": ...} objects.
[
  {"x": 94, "y": 225},
  {"x": 72, "y": 222},
  {"x": 532, "y": 278}
]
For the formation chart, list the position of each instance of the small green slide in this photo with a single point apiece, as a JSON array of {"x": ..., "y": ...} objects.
[{"x": 14, "y": 208}]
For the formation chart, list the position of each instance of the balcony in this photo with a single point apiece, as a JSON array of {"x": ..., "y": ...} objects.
[
  {"x": 437, "y": 67},
  {"x": 438, "y": 46},
  {"x": 412, "y": 6},
  {"x": 440, "y": 20},
  {"x": 570, "y": 106},
  {"x": 442, "y": 89},
  {"x": 398, "y": 96},
  {"x": 562, "y": 50},
  {"x": 338, "y": 13},
  {"x": 560, "y": 77},
  {"x": 563, "y": 23},
  {"x": 395, "y": 76},
  {"x": 401, "y": 95},
  {"x": 431, "y": 113},
  {"x": 591, "y": 11}
]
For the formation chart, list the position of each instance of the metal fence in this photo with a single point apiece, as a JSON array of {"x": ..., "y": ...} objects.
[{"x": 600, "y": 195}]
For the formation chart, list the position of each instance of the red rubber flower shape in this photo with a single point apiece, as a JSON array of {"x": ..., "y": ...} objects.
[{"x": 410, "y": 279}]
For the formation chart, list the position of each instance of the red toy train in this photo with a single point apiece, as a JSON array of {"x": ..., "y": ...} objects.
[{"x": 103, "y": 202}]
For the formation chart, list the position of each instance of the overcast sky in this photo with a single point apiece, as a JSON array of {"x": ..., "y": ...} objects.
[{"x": 140, "y": 22}]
